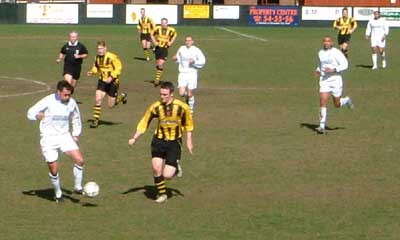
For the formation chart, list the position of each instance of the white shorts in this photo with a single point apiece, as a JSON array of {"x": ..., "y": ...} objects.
[
  {"x": 188, "y": 80},
  {"x": 377, "y": 42},
  {"x": 52, "y": 144},
  {"x": 333, "y": 85}
]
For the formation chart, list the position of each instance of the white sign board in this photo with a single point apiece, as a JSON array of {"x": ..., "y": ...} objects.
[
  {"x": 392, "y": 16},
  {"x": 52, "y": 13},
  {"x": 226, "y": 12},
  {"x": 99, "y": 11},
  {"x": 364, "y": 13},
  {"x": 156, "y": 12},
  {"x": 322, "y": 13}
]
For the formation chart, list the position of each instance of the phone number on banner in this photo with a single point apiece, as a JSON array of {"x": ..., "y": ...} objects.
[{"x": 274, "y": 15}]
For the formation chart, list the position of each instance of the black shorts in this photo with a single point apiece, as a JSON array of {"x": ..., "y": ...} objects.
[
  {"x": 344, "y": 38},
  {"x": 168, "y": 150},
  {"x": 145, "y": 36},
  {"x": 110, "y": 88},
  {"x": 161, "y": 53},
  {"x": 73, "y": 70}
]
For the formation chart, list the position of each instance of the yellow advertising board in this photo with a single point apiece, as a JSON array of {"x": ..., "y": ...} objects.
[{"x": 196, "y": 11}]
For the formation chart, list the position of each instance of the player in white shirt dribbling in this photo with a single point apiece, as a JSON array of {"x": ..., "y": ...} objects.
[
  {"x": 332, "y": 63},
  {"x": 55, "y": 113},
  {"x": 377, "y": 30},
  {"x": 190, "y": 59}
]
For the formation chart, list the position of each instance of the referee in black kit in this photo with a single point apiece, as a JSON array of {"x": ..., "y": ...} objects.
[{"x": 72, "y": 52}]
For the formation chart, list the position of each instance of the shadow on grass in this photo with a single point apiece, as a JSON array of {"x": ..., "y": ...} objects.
[
  {"x": 140, "y": 58},
  {"x": 108, "y": 123},
  {"x": 314, "y": 126},
  {"x": 363, "y": 66},
  {"x": 48, "y": 194},
  {"x": 151, "y": 193}
]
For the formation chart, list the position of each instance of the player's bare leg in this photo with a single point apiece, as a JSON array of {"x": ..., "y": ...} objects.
[
  {"x": 77, "y": 157},
  {"x": 345, "y": 49},
  {"x": 383, "y": 54},
  {"x": 70, "y": 80},
  {"x": 159, "y": 72}
]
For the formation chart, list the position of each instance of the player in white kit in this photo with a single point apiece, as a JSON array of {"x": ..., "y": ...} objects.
[
  {"x": 190, "y": 59},
  {"x": 55, "y": 113},
  {"x": 332, "y": 63},
  {"x": 377, "y": 30}
]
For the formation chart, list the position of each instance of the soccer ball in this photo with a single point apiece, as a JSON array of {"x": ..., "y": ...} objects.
[{"x": 91, "y": 189}]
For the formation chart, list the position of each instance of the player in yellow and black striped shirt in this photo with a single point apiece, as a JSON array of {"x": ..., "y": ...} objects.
[
  {"x": 163, "y": 37},
  {"x": 108, "y": 66},
  {"x": 145, "y": 27},
  {"x": 173, "y": 117},
  {"x": 346, "y": 26}
]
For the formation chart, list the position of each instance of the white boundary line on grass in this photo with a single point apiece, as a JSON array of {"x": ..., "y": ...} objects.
[
  {"x": 25, "y": 93},
  {"x": 243, "y": 34}
]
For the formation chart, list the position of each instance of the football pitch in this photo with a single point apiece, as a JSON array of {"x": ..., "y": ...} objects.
[{"x": 259, "y": 171}]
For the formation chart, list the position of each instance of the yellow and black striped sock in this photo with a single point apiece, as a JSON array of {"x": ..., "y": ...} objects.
[
  {"x": 159, "y": 73},
  {"x": 146, "y": 52},
  {"x": 96, "y": 112},
  {"x": 119, "y": 99},
  {"x": 160, "y": 185}
]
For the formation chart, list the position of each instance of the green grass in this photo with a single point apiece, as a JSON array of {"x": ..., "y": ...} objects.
[{"x": 258, "y": 172}]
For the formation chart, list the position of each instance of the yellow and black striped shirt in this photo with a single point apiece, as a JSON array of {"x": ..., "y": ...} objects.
[
  {"x": 347, "y": 25},
  {"x": 106, "y": 66},
  {"x": 163, "y": 36},
  {"x": 145, "y": 25},
  {"x": 172, "y": 120}
]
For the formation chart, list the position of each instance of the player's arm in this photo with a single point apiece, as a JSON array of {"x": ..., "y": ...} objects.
[
  {"x": 368, "y": 30},
  {"x": 36, "y": 112},
  {"x": 94, "y": 70},
  {"x": 76, "y": 123},
  {"x": 61, "y": 54},
  {"x": 336, "y": 24},
  {"x": 177, "y": 57},
  {"x": 143, "y": 125},
  {"x": 153, "y": 36},
  {"x": 172, "y": 40},
  {"x": 200, "y": 59},
  {"x": 386, "y": 30},
  {"x": 117, "y": 67},
  {"x": 187, "y": 122},
  {"x": 342, "y": 63},
  {"x": 139, "y": 27},
  {"x": 354, "y": 25},
  {"x": 83, "y": 53}
]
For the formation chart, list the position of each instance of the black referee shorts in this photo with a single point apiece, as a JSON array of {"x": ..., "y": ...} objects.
[
  {"x": 168, "y": 150},
  {"x": 73, "y": 70}
]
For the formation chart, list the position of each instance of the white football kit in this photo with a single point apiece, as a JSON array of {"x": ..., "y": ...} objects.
[
  {"x": 54, "y": 127},
  {"x": 377, "y": 29},
  {"x": 188, "y": 71},
  {"x": 331, "y": 82}
]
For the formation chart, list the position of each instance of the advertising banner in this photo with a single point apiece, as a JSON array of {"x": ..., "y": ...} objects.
[
  {"x": 323, "y": 13},
  {"x": 196, "y": 11},
  {"x": 99, "y": 11},
  {"x": 364, "y": 13},
  {"x": 274, "y": 15},
  {"x": 156, "y": 12},
  {"x": 52, "y": 13},
  {"x": 226, "y": 12},
  {"x": 392, "y": 16}
]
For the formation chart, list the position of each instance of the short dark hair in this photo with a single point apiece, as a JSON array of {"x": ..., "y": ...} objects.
[
  {"x": 344, "y": 9},
  {"x": 101, "y": 43},
  {"x": 64, "y": 84},
  {"x": 167, "y": 85}
]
